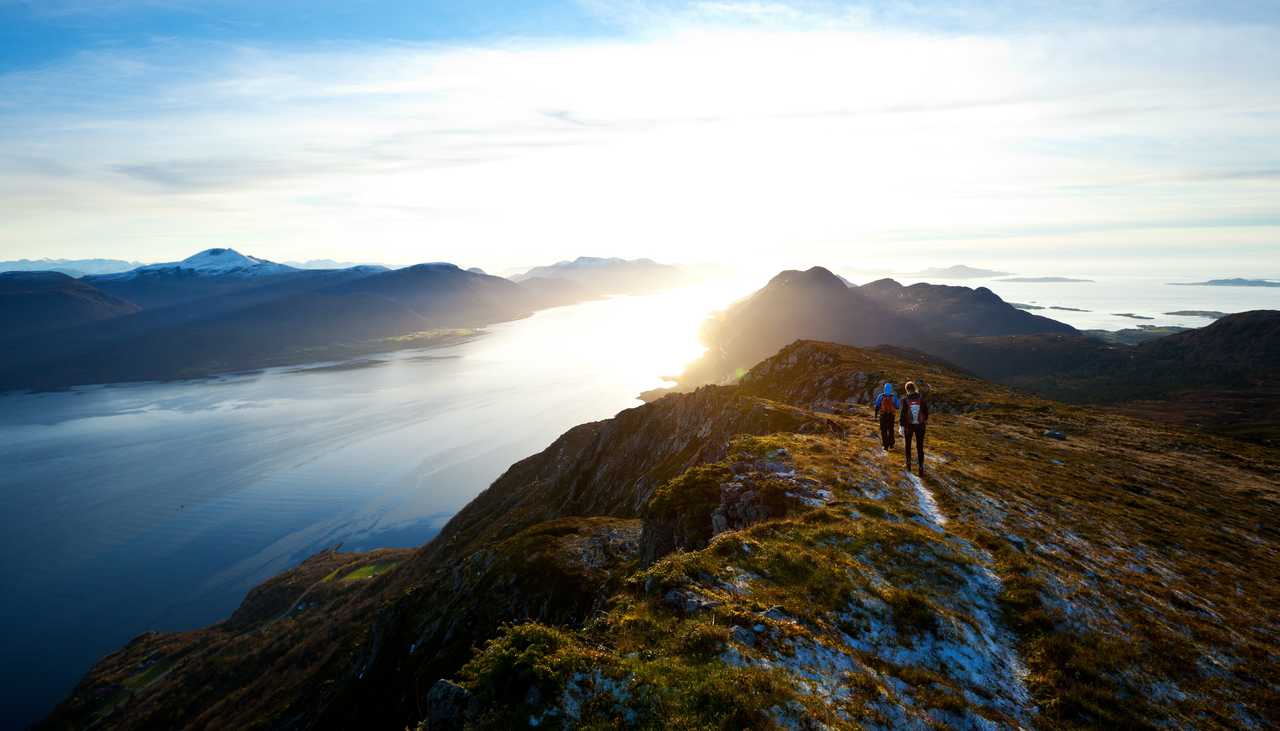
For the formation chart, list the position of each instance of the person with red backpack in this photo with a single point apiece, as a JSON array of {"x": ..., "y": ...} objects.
[
  {"x": 885, "y": 408},
  {"x": 915, "y": 414}
]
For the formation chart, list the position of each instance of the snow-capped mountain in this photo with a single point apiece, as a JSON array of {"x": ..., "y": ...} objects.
[{"x": 211, "y": 262}]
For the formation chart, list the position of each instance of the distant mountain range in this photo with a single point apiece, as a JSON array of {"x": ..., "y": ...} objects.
[
  {"x": 610, "y": 276},
  {"x": 330, "y": 264},
  {"x": 70, "y": 267},
  {"x": 220, "y": 310}
]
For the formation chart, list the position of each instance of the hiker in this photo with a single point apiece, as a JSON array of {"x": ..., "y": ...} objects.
[
  {"x": 886, "y": 408},
  {"x": 915, "y": 414}
]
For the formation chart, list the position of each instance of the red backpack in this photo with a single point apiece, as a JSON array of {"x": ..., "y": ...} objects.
[{"x": 886, "y": 405}]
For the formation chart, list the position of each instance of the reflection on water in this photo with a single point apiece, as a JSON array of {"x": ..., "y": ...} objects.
[{"x": 157, "y": 506}]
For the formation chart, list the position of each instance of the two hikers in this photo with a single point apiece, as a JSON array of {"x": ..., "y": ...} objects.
[
  {"x": 914, "y": 414},
  {"x": 886, "y": 408}
]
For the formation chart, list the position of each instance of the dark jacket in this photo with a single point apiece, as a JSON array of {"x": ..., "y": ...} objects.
[{"x": 908, "y": 402}]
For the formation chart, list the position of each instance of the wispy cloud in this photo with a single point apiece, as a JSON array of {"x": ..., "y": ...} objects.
[{"x": 713, "y": 129}]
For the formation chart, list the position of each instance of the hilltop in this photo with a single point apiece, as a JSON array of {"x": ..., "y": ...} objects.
[
  {"x": 38, "y": 301},
  {"x": 746, "y": 556}
]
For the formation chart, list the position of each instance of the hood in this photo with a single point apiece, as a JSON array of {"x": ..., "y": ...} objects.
[{"x": 888, "y": 389}]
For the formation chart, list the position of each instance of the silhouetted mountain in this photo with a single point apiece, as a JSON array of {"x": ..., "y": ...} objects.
[
  {"x": 41, "y": 302},
  {"x": 274, "y": 320},
  {"x": 977, "y": 331},
  {"x": 610, "y": 276},
  {"x": 1240, "y": 351},
  {"x": 817, "y": 304},
  {"x": 70, "y": 267}
]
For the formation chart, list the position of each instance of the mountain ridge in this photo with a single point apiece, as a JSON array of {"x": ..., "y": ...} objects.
[
  {"x": 746, "y": 555},
  {"x": 221, "y": 311}
]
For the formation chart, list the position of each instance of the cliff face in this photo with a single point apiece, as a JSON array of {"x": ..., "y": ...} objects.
[{"x": 748, "y": 556}]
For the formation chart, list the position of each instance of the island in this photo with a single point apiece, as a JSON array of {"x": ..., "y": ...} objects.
[
  {"x": 1069, "y": 309},
  {"x": 1025, "y": 306},
  {"x": 1132, "y": 316},
  {"x": 960, "y": 271},
  {"x": 1235, "y": 282},
  {"x": 1211, "y": 314}
]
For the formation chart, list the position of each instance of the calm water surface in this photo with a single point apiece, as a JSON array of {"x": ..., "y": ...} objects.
[{"x": 158, "y": 505}]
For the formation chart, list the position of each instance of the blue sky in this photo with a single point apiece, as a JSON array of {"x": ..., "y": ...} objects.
[
  {"x": 1105, "y": 136},
  {"x": 43, "y": 31}
]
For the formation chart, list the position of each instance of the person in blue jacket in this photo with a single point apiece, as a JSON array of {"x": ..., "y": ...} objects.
[{"x": 885, "y": 408}]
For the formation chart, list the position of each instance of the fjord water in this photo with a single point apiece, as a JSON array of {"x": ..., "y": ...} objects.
[{"x": 158, "y": 505}]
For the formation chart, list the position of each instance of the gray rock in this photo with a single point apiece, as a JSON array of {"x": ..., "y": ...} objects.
[
  {"x": 688, "y": 601},
  {"x": 447, "y": 706},
  {"x": 1055, "y": 434}
]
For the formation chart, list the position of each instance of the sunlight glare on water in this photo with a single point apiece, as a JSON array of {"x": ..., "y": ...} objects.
[{"x": 158, "y": 505}]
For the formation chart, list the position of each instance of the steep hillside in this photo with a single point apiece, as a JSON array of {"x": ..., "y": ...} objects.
[
  {"x": 747, "y": 556},
  {"x": 41, "y": 302},
  {"x": 1221, "y": 378}
]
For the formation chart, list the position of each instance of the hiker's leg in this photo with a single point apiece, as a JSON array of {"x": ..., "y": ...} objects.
[
  {"x": 906, "y": 438},
  {"x": 920, "y": 446}
]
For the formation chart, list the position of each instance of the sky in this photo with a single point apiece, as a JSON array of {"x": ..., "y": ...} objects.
[{"x": 1127, "y": 136}]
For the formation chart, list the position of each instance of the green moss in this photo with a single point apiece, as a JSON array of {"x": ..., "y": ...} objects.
[
  {"x": 693, "y": 492},
  {"x": 525, "y": 656},
  {"x": 145, "y": 678},
  {"x": 369, "y": 571}
]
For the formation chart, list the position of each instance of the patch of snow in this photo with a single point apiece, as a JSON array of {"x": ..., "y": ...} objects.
[{"x": 928, "y": 506}]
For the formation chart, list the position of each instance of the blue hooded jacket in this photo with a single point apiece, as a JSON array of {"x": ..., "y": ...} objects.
[{"x": 888, "y": 394}]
